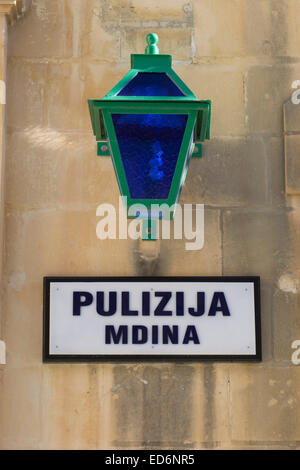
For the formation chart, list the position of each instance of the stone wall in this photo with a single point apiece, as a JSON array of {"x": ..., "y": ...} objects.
[{"x": 243, "y": 55}]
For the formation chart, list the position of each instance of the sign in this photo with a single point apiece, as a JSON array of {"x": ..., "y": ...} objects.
[{"x": 152, "y": 318}]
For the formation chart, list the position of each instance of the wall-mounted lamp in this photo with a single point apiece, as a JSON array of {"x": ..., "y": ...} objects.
[{"x": 151, "y": 124}]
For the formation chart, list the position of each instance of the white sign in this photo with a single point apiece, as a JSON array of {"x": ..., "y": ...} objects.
[{"x": 121, "y": 318}]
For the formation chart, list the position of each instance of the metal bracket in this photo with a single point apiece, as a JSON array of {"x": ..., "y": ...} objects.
[{"x": 197, "y": 152}]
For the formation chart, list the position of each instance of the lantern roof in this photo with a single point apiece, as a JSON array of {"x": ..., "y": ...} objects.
[{"x": 150, "y": 79}]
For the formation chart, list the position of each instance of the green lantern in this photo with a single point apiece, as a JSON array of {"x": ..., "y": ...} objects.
[{"x": 151, "y": 124}]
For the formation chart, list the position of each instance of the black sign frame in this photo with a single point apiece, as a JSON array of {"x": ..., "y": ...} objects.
[{"x": 68, "y": 358}]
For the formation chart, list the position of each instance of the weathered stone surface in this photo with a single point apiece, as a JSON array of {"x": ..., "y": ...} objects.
[
  {"x": 70, "y": 85},
  {"x": 212, "y": 397},
  {"x": 43, "y": 18},
  {"x": 26, "y": 84},
  {"x": 219, "y": 30},
  {"x": 177, "y": 42},
  {"x": 203, "y": 261},
  {"x": 121, "y": 14},
  {"x": 165, "y": 422},
  {"x": 24, "y": 304},
  {"x": 84, "y": 393},
  {"x": 267, "y": 88},
  {"x": 285, "y": 306},
  {"x": 255, "y": 243},
  {"x": 224, "y": 86},
  {"x": 43, "y": 165},
  {"x": 269, "y": 392},
  {"x": 291, "y": 112},
  {"x": 292, "y": 10},
  {"x": 20, "y": 407},
  {"x": 292, "y": 164},
  {"x": 231, "y": 172},
  {"x": 247, "y": 28},
  {"x": 244, "y": 57},
  {"x": 78, "y": 251},
  {"x": 275, "y": 171}
]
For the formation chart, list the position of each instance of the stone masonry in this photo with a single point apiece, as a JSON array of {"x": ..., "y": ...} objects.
[{"x": 244, "y": 55}]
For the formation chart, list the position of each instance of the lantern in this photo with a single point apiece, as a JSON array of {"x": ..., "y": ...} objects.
[{"x": 151, "y": 124}]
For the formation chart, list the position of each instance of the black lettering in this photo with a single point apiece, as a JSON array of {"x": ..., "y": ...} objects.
[
  {"x": 191, "y": 335},
  {"x": 200, "y": 305},
  {"x": 112, "y": 336},
  {"x": 179, "y": 303},
  {"x": 170, "y": 333},
  {"x": 155, "y": 334},
  {"x": 126, "y": 305},
  {"x": 139, "y": 334},
  {"x": 146, "y": 303},
  {"x": 159, "y": 311},
  {"x": 112, "y": 304}
]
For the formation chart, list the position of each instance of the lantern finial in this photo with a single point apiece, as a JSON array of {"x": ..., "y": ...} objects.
[{"x": 152, "y": 40}]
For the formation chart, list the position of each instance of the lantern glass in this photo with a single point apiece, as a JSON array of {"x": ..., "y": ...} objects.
[
  {"x": 151, "y": 84},
  {"x": 149, "y": 146}
]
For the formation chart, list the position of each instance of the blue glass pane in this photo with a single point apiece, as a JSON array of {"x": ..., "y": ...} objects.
[
  {"x": 149, "y": 145},
  {"x": 151, "y": 84}
]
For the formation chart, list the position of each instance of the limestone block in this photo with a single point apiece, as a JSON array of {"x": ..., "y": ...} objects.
[
  {"x": 286, "y": 328},
  {"x": 175, "y": 41},
  {"x": 224, "y": 87},
  {"x": 247, "y": 28},
  {"x": 26, "y": 89},
  {"x": 291, "y": 116},
  {"x": 291, "y": 113},
  {"x": 48, "y": 168},
  {"x": 267, "y": 88},
  {"x": 167, "y": 421},
  {"x": 231, "y": 172},
  {"x": 255, "y": 243},
  {"x": 121, "y": 14},
  {"x": 176, "y": 260},
  {"x": 23, "y": 303},
  {"x": 219, "y": 30},
  {"x": 212, "y": 402},
  {"x": 275, "y": 167},
  {"x": 292, "y": 164},
  {"x": 92, "y": 36},
  {"x": 265, "y": 404},
  {"x": 20, "y": 408},
  {"x": 285, "y": 302},
  {"x": 51, "y": 22},
  {"x": 77, "y": 406},
  {"x": 63, "y": 242},
  {"x": 69, "y": 88},
  {"x": 292, "y": 12}
]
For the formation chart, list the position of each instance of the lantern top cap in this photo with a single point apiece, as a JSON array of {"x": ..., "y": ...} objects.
[{"x": 152, "y": 40}]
